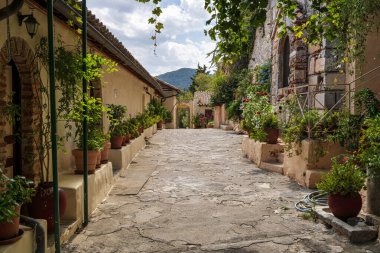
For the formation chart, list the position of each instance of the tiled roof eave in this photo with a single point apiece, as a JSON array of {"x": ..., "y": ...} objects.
[{"x": 99, "y": 32}]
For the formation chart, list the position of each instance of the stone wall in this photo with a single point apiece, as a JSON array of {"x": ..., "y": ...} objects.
[{"x": 262, "y": 42}]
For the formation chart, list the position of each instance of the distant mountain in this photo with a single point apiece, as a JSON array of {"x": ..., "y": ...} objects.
[{"x": 180, "y": 78}]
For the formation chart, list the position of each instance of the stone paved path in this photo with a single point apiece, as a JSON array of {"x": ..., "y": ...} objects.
[{"x": 205, "y": 197}]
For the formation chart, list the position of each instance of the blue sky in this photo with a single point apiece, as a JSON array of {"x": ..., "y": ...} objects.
[{"x": 181, "y": 44}]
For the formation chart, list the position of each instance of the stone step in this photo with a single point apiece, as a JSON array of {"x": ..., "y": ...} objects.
[
  {"x": 280, "y": 157},
  {"x": 272, "y": 166},
  {"x": 226, "y": 127}
]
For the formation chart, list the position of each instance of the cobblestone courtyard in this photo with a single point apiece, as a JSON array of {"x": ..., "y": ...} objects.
[{"x": 205, "y": 197}]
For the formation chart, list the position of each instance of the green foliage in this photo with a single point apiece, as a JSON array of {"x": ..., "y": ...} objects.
[
  {"x": 234, "y": 23},
  {"x": 234, "y": 110},
  {"x": 199, "y": 120},
  {"x": 347, "y": 132},
  {"x": 223, "y": 89},
  {"x": 14, "y": 192},
  {"x": 348, "y": 129},
  {"x": 90, "y": 109},
  {"x": 258, "y": 113},
  {"x": 366, "y": 103},
  {"x": 261, "y": 75},
  {"x": 201, "y": 78},
  {"x": 185, "y": 96},
  {"x": 344, "y": 23},
  {"x": 183, "y": 118},
  {"x": 116, "y": 113},
  {"x": 69, "y": 72},
  {"x": 369, "y": 149},
  {"x": 344, "y": 178}
]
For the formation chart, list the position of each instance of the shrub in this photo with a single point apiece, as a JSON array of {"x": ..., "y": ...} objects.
[{"x": 344, "y": 178}]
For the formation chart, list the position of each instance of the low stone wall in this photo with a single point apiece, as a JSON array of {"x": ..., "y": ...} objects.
[
  {"x": 259, "y": 152},
  {"x": 306, "y": 162},
  {"x": 99, "y": 183}
]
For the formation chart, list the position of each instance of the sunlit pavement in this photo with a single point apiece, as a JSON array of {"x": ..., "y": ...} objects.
[{"x": 204, "y": 196}]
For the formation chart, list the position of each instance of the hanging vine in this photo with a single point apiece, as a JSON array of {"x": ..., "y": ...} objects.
[{"x": 233, "y": 25}]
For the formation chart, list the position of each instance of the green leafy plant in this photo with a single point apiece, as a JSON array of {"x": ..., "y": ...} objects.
[
  {"x": 366, "y": 103},
  {"x": 369, "y": 148},
  {"x": 343, "y": 23},
  {"x": 345, "y": 178},
  {"x": 13, "y": 192},
  {"x": 91, "y": 110},
  {"x": 199, "y": 120}
]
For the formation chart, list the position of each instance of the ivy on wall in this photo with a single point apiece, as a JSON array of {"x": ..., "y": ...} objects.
[{"x": 344, "y": 24}]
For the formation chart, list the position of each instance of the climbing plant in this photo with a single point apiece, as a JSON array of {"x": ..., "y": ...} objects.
[{"x": 344, "y": 24}]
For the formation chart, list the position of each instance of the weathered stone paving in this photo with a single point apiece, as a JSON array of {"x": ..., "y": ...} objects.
[{"x": 205, "y": 197}]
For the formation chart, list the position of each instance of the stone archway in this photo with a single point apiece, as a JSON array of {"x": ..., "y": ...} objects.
[
  {"x": 31, "y": 115},
  {"x": 180, "y": 108}
]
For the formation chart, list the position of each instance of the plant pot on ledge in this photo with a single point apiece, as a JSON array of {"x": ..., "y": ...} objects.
[
  {"x": 343, "y": 183},
  {"x": 10, "y": 229},
  {"x": 160, "y": 124},
  {"x": 272, "y": 135},
  {"x": 116, "y": 142},
  {"x": 345, "y": 206},
  {"x": 42, "y": 206},
  {"x": 92, "y": 156},
  {"x": 105, "y": 152}
]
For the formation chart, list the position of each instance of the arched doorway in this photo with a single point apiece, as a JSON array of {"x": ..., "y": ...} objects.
[
  {"x": 183, "y": 116},
  {"x": 19, "y": 75}
]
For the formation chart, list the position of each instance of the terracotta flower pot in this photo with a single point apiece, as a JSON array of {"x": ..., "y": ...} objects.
[
  {"x": 160, "y": 124},
  {"x": 99, "y": 159},
  {"x": 344, "y": 207},
  {"x": 127, "y": 138},
  {"x": 92, "y": 156},
  {"x": 141, "y": 130},
  {"x": 116, "y": 142},
  {"x": 42, "y": 206},
  {"x": 9, "y": 230},
  {"x": 272, "y": 135},
  {"x": 210, "y": 126},
  {"x": 104, "y": 153},
  {"x": 124, "y": 142}
]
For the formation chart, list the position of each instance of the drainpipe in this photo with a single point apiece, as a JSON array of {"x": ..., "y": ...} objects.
[
  {"x": 85, "y": 136},
  {"x": 53, "y": 126},
  {"x": 40, "y": 233},
  {"x": 11, "y": 9}
]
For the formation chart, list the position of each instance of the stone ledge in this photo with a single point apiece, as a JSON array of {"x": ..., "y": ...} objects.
[
  {"x": 121, "y": 158},
  {"x": 99, "y": 185},
  {"x": 226, "y": 127},
  {"x": 27, "y": 241},
  {"x": 359, "y": 233},
  {"x": 259, "y": 152}
]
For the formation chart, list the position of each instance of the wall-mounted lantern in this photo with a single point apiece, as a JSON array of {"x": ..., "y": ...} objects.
[{"x": 30, "y": 23}]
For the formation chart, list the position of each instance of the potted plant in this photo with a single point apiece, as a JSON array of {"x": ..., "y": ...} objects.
[
  {"x": 13, "y": 193},
  {"x": 116, "y": 115},
  {"x": 93, "y": 114},
  {"x": 41, "y": 206},
  {"x": 210, "y": 124},
  {"x": 343, "y": 183},
  {"x": 106, "y": 147},
  {"x": 117, "y": 136},
  {"x": 270, "y": 125}
]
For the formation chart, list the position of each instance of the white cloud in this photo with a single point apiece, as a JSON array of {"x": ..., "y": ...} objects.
[{"x": 181, "y": 44}]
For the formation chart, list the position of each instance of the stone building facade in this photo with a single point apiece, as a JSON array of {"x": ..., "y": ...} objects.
[
  {"x": 131, "y": 86},
  {"x": 308, "y": 69}
]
